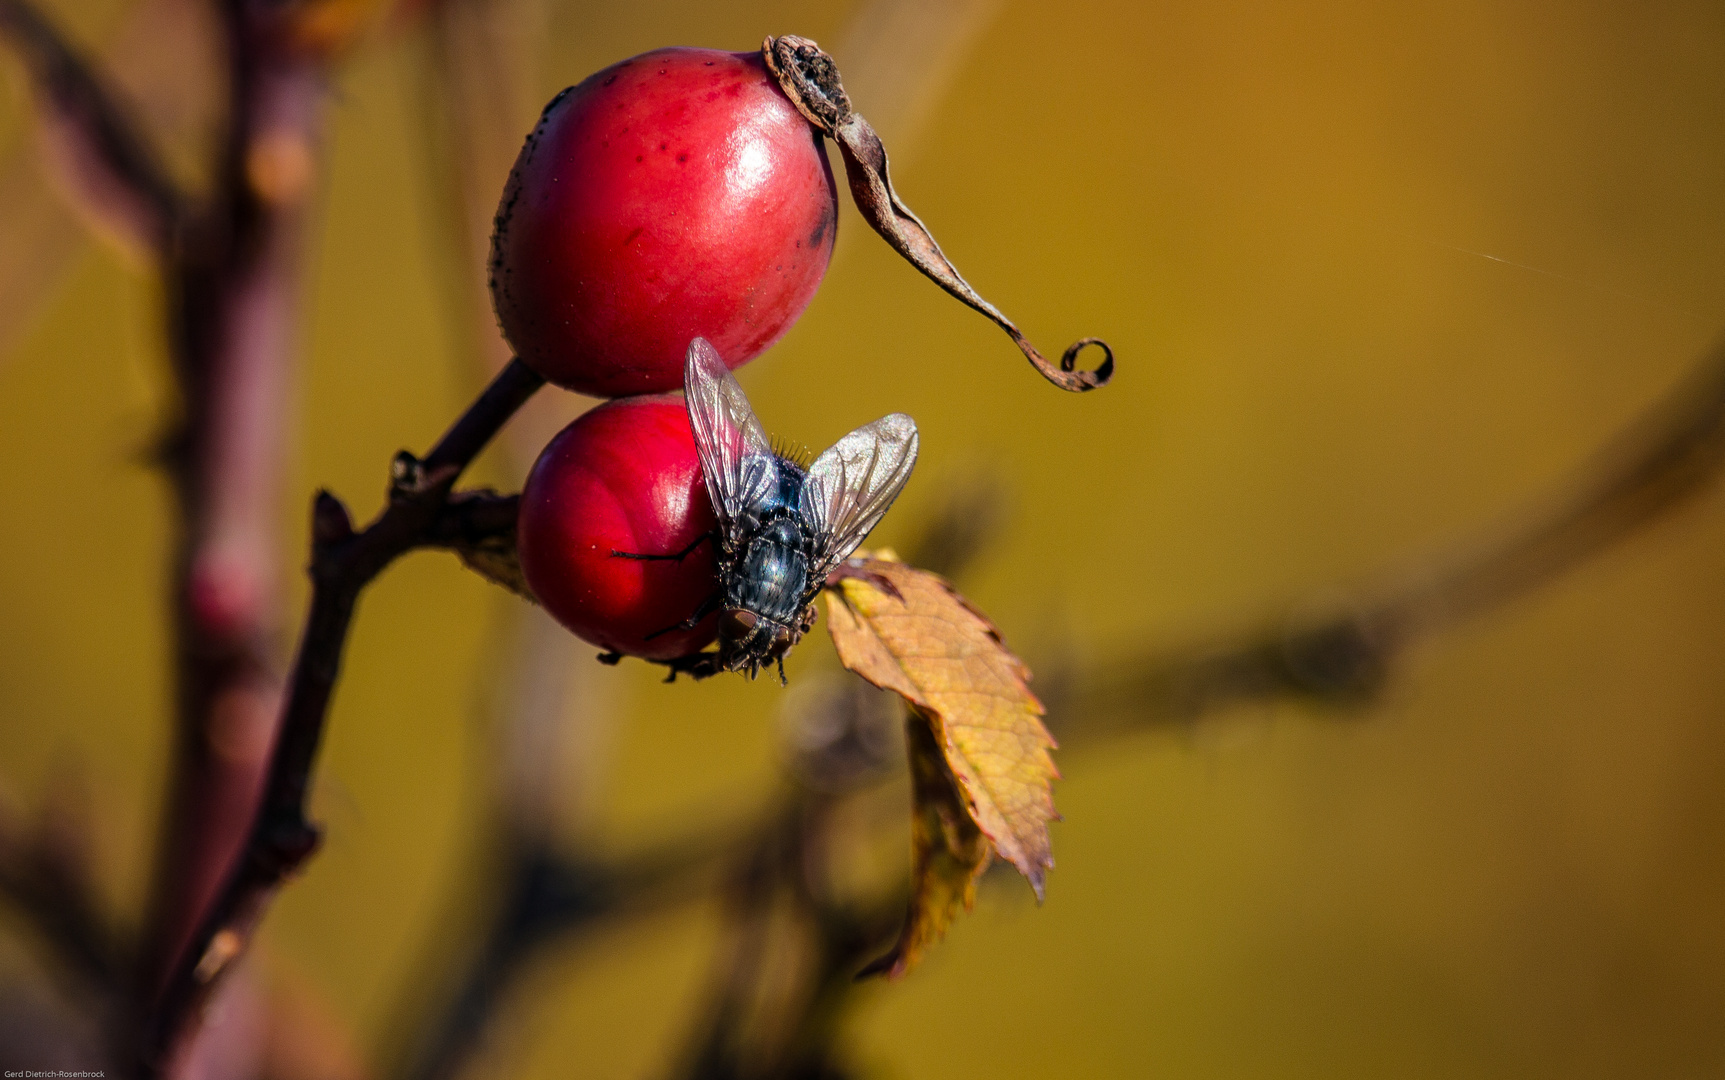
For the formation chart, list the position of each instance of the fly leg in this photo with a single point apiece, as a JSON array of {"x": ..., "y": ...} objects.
[
  {"x": 708, "y": 606},
  {"x": 854, "y": 568},
  {"x": 697, "y": 666},
  {"x": 677, "y": 557}
]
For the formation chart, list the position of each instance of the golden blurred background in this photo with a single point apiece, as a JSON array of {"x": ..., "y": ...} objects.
[{"x": 1377, "y": 277}]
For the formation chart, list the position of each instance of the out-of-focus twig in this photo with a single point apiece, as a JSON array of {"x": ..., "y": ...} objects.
[
  {"x": 846, "y": 937},
  {"x": 88, "y": 118},
  {"x": 972, "y": 515},
  {"x": 280, "y": 837},
  {"x": 549, "y": 896},
  {"x": 229, "y": 265},
  {"x": 228, "y": 261},
  {"x": 1662, "y": 459},
  {"x": 231, "y": 284},
  {"x": 787, "y": 970},
  {"x": 160, "y": 64},
  {"x": 754, "y": 882},
  {"x": 45, "y": 875}
]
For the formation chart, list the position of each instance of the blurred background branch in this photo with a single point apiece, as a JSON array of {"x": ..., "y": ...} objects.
[
  {"x": 229, "y": 268},
  {"x": 81, "y": 117},
  {"x": 47, "y": 876},
  {"x": 1663, "y": 459}
]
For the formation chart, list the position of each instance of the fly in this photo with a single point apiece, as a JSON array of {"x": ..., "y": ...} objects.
[{"x": 782, "y": 528}]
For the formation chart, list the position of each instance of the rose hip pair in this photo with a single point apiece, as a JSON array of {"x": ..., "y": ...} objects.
[
  {"x": 672, "y": 196},
  {"x": 682, "y": 195}
]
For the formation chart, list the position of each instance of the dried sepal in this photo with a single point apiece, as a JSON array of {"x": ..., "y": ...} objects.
[
  {"x": 481, "y": 527},
  {"x": 811, "y": 80},
  {"x": 496, "y": 560}
]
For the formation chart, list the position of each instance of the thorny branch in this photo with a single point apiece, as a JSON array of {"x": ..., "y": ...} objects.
[{"x": 343, "y": 563}]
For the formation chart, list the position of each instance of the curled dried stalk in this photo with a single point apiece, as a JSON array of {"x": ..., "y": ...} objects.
[{"x": 810, "y": 79}]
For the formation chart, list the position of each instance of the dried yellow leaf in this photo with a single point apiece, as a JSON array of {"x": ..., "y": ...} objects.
[
  {"x": 945, "y": 658},
  {"x": 948, "y": 851}
]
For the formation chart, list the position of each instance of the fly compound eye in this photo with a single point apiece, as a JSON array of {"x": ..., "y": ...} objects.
[
  {"x": 781, "y": 640},
  {"x": 737, "y": 624}
]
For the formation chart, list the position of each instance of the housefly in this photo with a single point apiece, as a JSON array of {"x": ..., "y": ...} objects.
[{"x": 782, "y": 527}]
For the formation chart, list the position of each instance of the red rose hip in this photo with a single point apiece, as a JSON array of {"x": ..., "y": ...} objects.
[
  {"x": 624, "y": 477},
  {"x": 675, "y": 195}
]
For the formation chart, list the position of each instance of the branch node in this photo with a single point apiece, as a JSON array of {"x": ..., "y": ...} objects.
[
  {"x": 117, "y": 174},
  {"x": 406, "y": 474},
  {"x": 412, "y": 481}
]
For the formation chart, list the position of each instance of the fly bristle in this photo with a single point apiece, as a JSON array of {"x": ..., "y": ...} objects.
[{"x": 794, "y": 452}]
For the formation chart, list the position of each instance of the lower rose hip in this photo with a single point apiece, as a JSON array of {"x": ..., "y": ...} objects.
[{"x": 625, "y": 477}]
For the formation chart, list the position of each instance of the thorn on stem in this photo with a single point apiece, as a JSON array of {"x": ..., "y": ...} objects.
[
  {"x": 289, "y": 843},
  {"x": 330, "y": 522}
]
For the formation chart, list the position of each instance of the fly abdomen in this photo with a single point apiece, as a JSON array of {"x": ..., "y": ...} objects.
[{"x": 773, "y": 573}]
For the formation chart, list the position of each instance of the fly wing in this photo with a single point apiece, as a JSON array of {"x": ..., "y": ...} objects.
[
  {"x": 850, "y": 486},
  {"x": 736, "y": 460}
]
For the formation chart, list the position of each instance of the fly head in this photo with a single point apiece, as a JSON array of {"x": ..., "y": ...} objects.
[{"x": 749, "y": 640}]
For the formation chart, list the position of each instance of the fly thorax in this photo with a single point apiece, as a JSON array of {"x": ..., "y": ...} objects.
[{"x": 773, "y": 572}]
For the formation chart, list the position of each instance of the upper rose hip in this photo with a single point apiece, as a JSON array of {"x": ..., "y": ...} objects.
[{"x": 675, "y": 195}]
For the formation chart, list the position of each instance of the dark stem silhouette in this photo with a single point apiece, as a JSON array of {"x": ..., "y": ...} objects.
[{"x": 420, "y": 513}]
